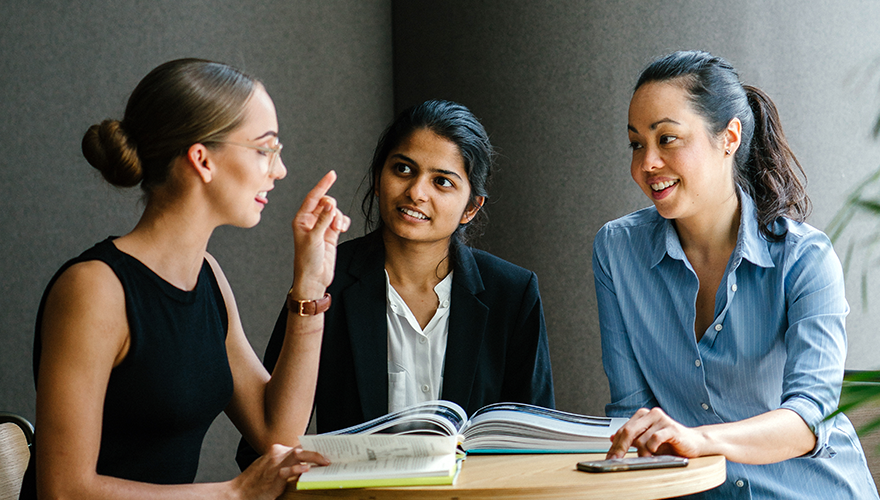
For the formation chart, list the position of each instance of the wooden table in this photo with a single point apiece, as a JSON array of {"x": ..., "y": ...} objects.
[{"x": 547, "y": 476}]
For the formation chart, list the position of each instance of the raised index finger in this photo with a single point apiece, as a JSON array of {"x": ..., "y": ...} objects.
[{"x": 318, "y": 192}]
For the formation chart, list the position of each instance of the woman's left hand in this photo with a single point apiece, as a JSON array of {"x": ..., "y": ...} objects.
[
  {"x": 269, "y": 475},
  {"x": 653, "y": 432},
  {"x": 316, "y": 230}
]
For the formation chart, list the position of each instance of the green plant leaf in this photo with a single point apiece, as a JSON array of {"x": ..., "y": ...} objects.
[
  {"x": 869, "y": 205},
  {"x": 847, "y": 259},
  {"x": 870, "y": 427},
  {"x": 842, "y": 218},
  {"x": 859, "y": 389}
]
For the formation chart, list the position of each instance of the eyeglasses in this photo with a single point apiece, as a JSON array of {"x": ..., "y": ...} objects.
[{"x": 273, "y": 153}]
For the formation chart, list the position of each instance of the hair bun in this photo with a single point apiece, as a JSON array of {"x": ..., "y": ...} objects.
[{"x": 107, "y": 148}]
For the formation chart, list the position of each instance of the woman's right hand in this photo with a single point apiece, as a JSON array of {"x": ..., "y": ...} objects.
[
  {"x": 316, "y": 230},
  {"x": 766, "y": 438},
  {"x": 268, "y": 476},
  {"x": 653, "y": 432}
]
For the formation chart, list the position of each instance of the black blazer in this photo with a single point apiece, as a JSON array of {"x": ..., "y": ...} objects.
[{"x": 496, "y": 349}]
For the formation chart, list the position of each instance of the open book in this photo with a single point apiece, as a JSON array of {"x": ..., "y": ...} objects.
[
  {"x": 499, "y": 427},
  {"x": 374, "y": 460},
  {"x": 399, "y": 455}
]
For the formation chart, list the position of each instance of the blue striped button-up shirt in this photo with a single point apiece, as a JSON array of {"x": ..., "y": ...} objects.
[{"x": 777, "y": 341}]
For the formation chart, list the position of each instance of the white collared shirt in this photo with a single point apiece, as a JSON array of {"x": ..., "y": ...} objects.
[{"x": 416, "y": 356}]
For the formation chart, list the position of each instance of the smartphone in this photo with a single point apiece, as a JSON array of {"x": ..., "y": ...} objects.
[{"x": 632, "y": 463}]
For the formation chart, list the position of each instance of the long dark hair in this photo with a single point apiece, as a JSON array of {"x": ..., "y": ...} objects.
[
  {"x": 765, "y": 166},
  {"x": 178, "y": 104},
  {"x": 453, "y": 122}
]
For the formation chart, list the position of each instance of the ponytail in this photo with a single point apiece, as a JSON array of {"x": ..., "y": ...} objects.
[
  {"x": 765, "y": 166},
  {"x": 770, "y": 174}
]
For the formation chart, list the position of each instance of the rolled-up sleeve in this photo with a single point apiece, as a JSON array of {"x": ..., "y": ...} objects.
[{"x": 815, "y": 340}]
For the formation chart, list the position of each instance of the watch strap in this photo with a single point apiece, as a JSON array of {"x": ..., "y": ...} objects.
[{"x": 308, "y": 307}]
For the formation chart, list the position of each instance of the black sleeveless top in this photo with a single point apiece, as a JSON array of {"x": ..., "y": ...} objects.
[{"x": 175, "y": 379}]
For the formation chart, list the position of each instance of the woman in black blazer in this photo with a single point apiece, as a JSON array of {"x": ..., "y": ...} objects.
[{"x": 412, "y": 285}]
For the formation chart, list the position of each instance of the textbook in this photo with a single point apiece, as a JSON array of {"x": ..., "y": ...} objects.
[
  {"x": 417, "y": 445},
  {"x": 499, "y": 427},
  {"x": 377, "y": 460}
]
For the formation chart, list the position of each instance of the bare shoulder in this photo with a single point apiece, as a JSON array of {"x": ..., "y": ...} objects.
[
  {"x": 225, "y": 288},
  {"x": 85, "y": 309},
  {"x": 91, "y": 280},
  {"x": 218, "y": 272},
  {"x": 212, "y": 261}
]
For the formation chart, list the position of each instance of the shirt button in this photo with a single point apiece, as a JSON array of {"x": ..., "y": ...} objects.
[
  {"x": 697, "y": 363},
  {"x": 718, "y": 327},
  {"x": 445, "y": 303},
  {"x": 705, "y": 406},
  {"x": 733, "y": 287},
  {"x": 422, "y": 340},
  {"x": 425, "y": 388},
  {"x": 740, "y": 483}
]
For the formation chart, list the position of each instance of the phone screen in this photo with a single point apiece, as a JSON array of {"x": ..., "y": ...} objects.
[{"x": 632, "y": 463}]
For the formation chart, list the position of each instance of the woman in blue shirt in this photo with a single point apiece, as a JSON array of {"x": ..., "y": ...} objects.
[{"x": 721, "y": 311}]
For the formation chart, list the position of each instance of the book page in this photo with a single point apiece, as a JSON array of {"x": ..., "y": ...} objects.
[
  {"x": 523, "y": 427},
  {"x": 376, "y": 447},
  {"x": 399, "y": 467},
  {"x": 534, "y": 419},
  {"x": 431, "y": 417}
]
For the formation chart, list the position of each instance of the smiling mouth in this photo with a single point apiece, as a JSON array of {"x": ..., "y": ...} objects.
[
  {"x": 660, "y": 186},
  {"x": 413, "y": 213}
]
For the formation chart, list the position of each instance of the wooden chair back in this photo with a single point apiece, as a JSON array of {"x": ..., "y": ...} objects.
[{"x": 16, "y": 436}]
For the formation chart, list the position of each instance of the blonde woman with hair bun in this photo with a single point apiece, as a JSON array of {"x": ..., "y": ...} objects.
[{"x": 139, "y": 344}]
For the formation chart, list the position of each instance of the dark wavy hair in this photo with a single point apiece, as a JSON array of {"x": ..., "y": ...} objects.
[
  {"x": 765, "y": 166},
  {"x": 453, "y": 122}
]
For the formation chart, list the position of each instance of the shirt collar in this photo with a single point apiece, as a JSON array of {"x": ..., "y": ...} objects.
[
  {"x": 444, "y": 290},
  {"x": 666, "y": 242},
  {"x": 399, "y": 306},
  {"x": 750, "y": 245}
]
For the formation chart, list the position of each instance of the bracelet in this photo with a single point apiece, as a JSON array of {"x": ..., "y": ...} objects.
[{"x": 308, "y": 307}]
